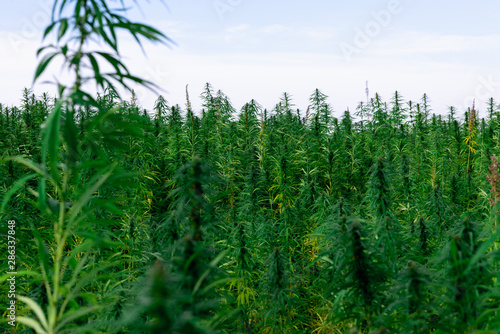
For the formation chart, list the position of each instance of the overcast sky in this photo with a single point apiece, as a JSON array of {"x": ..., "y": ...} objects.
[{"x": 258, "y": 49}]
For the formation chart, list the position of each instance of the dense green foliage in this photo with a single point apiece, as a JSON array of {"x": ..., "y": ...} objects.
[
  {"x": 242, "y": 221},
  {"x": 252, "y": 221}
]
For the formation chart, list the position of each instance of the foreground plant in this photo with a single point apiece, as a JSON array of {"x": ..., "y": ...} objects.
[{"x": 73, "y": 169}]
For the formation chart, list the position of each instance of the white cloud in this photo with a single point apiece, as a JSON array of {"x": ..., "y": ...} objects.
[
  {"x": 238, "y": 28},
  {"x": 411, "y": 43},
  {"x": 236, "y": 33},
  {"x": 320, "y": 34},
  {"x": 274, "y": 28}
]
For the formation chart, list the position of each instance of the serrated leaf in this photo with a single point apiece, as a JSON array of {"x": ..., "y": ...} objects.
[
  {"x": 37, "y": 309},
  {"x": 31, "y": 323}
]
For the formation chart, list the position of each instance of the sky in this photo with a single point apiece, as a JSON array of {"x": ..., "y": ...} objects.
[{"x": 259, "y": 49}]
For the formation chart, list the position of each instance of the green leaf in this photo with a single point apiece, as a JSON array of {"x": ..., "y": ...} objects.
[
  {"x": 4, "y": 277},
  {"x": 43, "y": 64},
  {"x": 212, "y": 264},
  {"x": 70, "y": 316},
  {"x": 113, "y": 61},
  {"x": 42, "y": 195},
  {"x": 43, "y": 254},
  {"x": 30, "y": 164},
  {"x": 482, "y": 249},
  {"x": 63, "y": 27},
  {"x": 15, "y": 187},
  {"x": 49, "y": 29},
  {"x": 37, "y": 309},
  {"x": 97, "y": 74},
  {"x": 69, "y": 133},
  {"x": 32, "y": 323},
  {"x": 50, "y": 143},
  {"x": 85, "y": 99},
  {"x": 78, "y": 265},
  {"x": 85, "y": 197}
]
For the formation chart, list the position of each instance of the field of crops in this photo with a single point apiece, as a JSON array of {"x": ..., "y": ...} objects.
[
  {"x": 115, "y": 219},
  {"x": 255, "y": 221}
]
